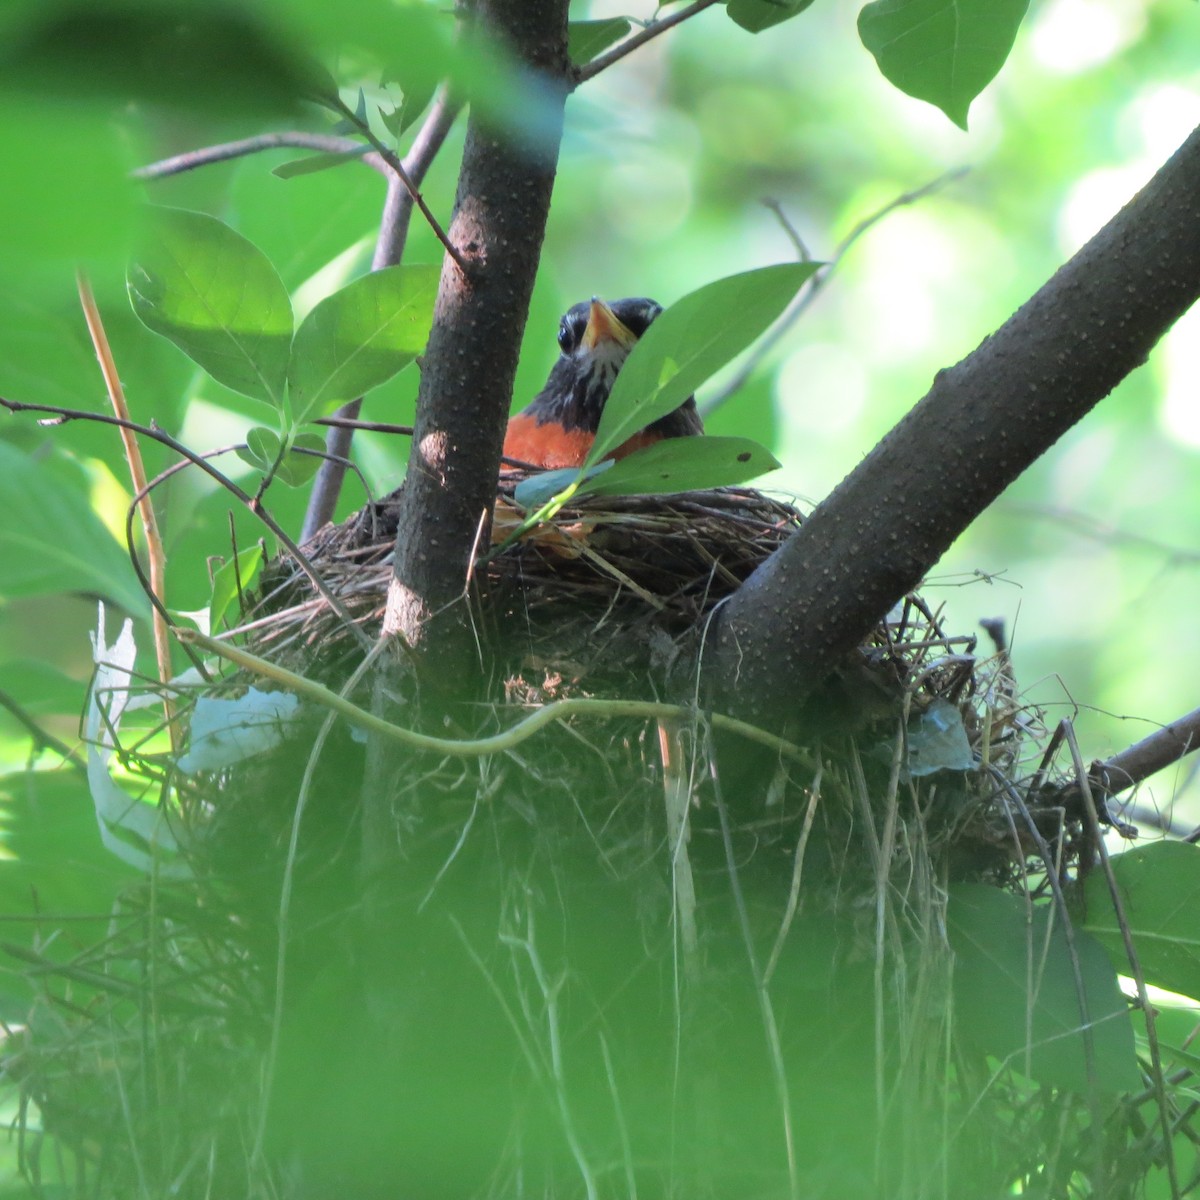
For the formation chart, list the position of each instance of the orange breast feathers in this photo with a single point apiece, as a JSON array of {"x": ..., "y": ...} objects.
[
  {"x": 557, "y": 428},
  {"x": 549, "y": 445}
]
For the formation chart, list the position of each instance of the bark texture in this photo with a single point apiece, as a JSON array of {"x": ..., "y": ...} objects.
[
  {"x": 981, "y": 424},
  {"x": 466, "y": 382}
]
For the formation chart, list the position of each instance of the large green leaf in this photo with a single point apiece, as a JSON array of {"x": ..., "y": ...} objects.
[
  {"x": 682, "y": 464},
  {"x": 1016, "y": 995},
  {"x": 757, "y": 15},
  {"x": 218, "y": 298},
  {"x": 942, "y": 51},
  {"x": 361, "y": 336},
  {"x": 688, "y": 342},
  {"x": 51, "y": 541},
  {"x": 1160, "y": 893},
  {"x": 187, "y": 53}
]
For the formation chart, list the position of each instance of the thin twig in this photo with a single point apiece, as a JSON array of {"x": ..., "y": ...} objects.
[
  {"x": 390, "y": 158},
  {"x": 1135, "y": 967},
  {"x": 137, "y": 474},
  {"x": 816, "y": 283},
  {"x": 651, "y": 30},
  {"x": 157, "y": 434},
  {"x": 325, "y": 143},
  {"x": 41, "y": 739},
  {"x": 389, "y": 249},
  {"x": 352, "y": 423}
]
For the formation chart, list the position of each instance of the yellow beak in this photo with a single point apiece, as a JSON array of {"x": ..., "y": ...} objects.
[{"x": 603, "y": 326}]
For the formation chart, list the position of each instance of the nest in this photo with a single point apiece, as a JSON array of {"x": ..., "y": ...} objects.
[
  {"x": 850, "y": 827},
  {"x": 613, "y": 598}
]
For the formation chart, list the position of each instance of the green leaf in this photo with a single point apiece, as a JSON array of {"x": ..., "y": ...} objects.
[
  {"x": 541, "y": 488},
  {"x": 192, "y": 55},
  {"x": 942, "y": 51},
  {"x": 586, "y": 39},
  {"x": 689, "y": 341},
  {"x": 217, "y": 297},
  {"x": 681, "y": 465},
  {"x": 361, "y": 336},
  {"x": 312, "y": 163},
  {"x": 757, "y": 15},
  {"x": 302, "y": 459},
  {"x": 1160, "y": 894},
  {"x": 261, "y": 449},
  {"x": 1017, "y": 999},
  {"x": 241, "y": 570},
  {"x": 52, "y": 541}
]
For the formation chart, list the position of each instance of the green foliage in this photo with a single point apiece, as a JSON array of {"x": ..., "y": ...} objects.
[
  {"x": 1160, "y": 895},
  {"x": 51, "y": 541},
  {"x": 674, "y": 465},
  {"x": 944, "y": 53},
  {"x": 360, "y": 337},
  {"x": 187, "y": 55},
  {"x": 691, "y": 340},
  {"x": 217, "y": 297},
  {"x": 231, "y": 580},
  {"x": 1017, "y": 996},
  {"x": 587, "y": 39},
  {"x": 757, "y": 15}
]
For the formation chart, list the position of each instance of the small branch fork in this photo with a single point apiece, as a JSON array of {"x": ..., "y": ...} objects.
[
  {"x": 816, "y": 283},
  {"x": 390, "y": 157},
  {"x": 651, "y": 30}
]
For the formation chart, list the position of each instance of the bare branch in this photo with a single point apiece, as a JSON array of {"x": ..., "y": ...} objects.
[
  {"x": 390, "y": 158},
  {"x": 325, "y": 143},
  {"x": 630, "y": 44},
  {"x": 1141, "y": 760},
  {"x": 389, "y": 249}
]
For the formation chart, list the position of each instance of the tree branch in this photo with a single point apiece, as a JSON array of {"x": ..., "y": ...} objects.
[
  {"x": 389, "y": 249},
  {"x": 326, "y": 143},
  {"x": 981, "y": 424},
  {"x": 470, "y": 363},
  {"x": 398, "y": 168},
  {"x": 630, "y": 44}
]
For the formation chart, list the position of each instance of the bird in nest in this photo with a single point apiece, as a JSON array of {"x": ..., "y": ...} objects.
[{"x": 556, "y": 429}]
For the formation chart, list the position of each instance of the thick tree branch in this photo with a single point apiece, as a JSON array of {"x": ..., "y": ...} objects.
[
  {"x": 982, "y": 423},
  {"x": 467, "y": 377}
]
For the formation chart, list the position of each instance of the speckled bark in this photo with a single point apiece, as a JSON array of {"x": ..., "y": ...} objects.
[
  {"x": 981, "y": 424},
  {"x": 467, "y": 377}
]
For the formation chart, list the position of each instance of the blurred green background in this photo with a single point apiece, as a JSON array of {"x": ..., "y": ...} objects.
[{"x": 1091, "y": 558}]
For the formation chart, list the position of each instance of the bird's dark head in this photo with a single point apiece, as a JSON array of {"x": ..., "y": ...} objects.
[{"x": 594, "y": 340}]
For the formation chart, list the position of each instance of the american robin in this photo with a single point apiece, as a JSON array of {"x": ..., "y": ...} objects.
[{"x": 557, "y": 428}]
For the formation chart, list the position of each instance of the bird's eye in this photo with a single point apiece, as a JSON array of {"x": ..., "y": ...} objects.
[{"x": 566, "y": 336}]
